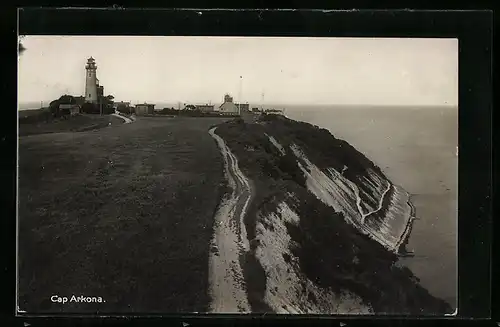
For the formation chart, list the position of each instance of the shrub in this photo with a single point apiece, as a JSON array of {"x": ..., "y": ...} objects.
[
  {"x": 269, "y": 117},
  {"x": 168, "y": 111},
  {"x": 90, "y": 108},
  {"x": 124, "y": 109},
  {"x": 289, "y": 166}
]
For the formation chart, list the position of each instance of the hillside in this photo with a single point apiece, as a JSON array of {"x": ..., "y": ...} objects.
[{"x": 324, "y": 225}]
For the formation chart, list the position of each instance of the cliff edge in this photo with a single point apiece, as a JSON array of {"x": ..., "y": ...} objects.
[{"x": 318, "y": 226}]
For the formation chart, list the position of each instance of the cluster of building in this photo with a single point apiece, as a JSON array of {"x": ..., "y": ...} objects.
[
  {"x": 228, "y": 107},
  {"x": 94, "y": 92}
]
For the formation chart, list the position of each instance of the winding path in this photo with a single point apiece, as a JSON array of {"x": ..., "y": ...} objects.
[
  {"x": 356, "y": 191},
  {"x": 227, "y": 285},
  {"x": 126, "y": 119},
  {"x": 380, "y": 203}
]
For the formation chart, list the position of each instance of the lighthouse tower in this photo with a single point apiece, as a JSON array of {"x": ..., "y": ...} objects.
[{"x": 91, "y": 81}]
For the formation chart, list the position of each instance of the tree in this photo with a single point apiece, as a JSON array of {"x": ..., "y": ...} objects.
[
  {"x": 67, "y": 99},
  {"x": 107, "y": 104},
  {"x": 90, "y": 108},
  {"x": 64, "y": 99},
  {"x": 123, "y": 108}
]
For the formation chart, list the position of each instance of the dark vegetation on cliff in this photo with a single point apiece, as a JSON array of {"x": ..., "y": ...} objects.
[
  {"x": 320, "y": 146},
  {"x": 331, "y": 252}
]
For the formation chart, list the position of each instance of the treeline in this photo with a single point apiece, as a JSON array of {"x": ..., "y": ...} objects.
[{"x": 105, "y": 103}]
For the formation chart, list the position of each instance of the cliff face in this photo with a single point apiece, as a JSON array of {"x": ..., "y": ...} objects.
[{"x": 323, "y": 225}]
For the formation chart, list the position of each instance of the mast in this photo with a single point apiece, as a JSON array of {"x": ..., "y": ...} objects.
[
  {"x": 262, "y": 100},
  {"x": 239, "y": 102}
]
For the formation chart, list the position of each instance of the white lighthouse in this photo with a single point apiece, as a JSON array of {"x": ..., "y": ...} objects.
[{"x": 91, "y": 81}]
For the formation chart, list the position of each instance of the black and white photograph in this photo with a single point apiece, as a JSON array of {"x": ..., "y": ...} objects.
[{"x": 218, "y": 174}]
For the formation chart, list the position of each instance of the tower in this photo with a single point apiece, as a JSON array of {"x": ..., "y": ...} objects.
[{"x": 91, "y": 81}]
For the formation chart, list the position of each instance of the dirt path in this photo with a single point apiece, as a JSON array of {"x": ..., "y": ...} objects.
[
  {"x": 227, "y": 286},
  {"x": 125, "y": 119}
]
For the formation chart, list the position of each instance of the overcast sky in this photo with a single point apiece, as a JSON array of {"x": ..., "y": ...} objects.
[{"x": 201, "y": 69}]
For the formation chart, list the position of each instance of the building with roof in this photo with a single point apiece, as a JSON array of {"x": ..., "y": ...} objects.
[
  {"x": 121, "y": 104},
  {"x": 205, "y": 107},
  {"x": 72, "y": 109},
  {"x": 244, "y": 107},
  {"x": 228, "y": 107},
  {"x": 144, "y": 109}
]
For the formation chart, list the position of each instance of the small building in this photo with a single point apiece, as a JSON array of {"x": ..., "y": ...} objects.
[
  {"x": 228, "y": 107},
  {"x": 100, "y": 90},
  {"x": 72, "y": 109},
  {"x": 245, "y": 107},
  {"x": 205, "y": 107},
  {"x": 144, "y": 109},
  {"x": 116, "y": 105}
]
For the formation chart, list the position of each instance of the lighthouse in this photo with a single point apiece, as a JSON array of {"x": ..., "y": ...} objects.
[{"x": 91, "y": 81}]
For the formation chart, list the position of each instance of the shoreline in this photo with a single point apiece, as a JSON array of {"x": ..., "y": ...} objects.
[{"x": 401, "y": 247}]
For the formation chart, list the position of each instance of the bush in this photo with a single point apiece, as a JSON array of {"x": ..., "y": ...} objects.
[
  {"x": 64, "y": 113},
  {"x": 289, "y": 166},
  {"x": 124, "y": 109},
  {"x": 169, "y": 111},
  {"x": 90, "y": 108},
  {"x": 54, "y": 109},
  {"x": 269, "y": 117}
]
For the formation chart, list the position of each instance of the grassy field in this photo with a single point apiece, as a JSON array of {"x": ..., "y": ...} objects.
[
  {"x": 124, "y": 213},
  {"x": 32, "y": 112},
  {"x": 36, "y": 123}
]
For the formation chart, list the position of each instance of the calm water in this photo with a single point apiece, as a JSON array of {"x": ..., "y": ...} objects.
[{"x": 415, "y": 147}]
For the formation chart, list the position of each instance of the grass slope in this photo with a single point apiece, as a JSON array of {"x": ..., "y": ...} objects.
[
  {"x": 33, "y": 124},
  {"x": 331, "y": 253},
  {"x": 124, "y": 213}
]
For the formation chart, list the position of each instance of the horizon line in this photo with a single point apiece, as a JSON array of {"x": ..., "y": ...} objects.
[{"x": 261, "y": 104}]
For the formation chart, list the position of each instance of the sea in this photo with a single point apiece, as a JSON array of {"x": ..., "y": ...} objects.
[{"x": 416, "y": 147}]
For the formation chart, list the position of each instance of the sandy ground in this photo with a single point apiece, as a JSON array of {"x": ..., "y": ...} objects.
[{"x": 227, "y": 287}]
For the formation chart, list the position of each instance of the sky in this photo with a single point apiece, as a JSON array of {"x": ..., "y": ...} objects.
[{"x": 298, "y": 71}]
